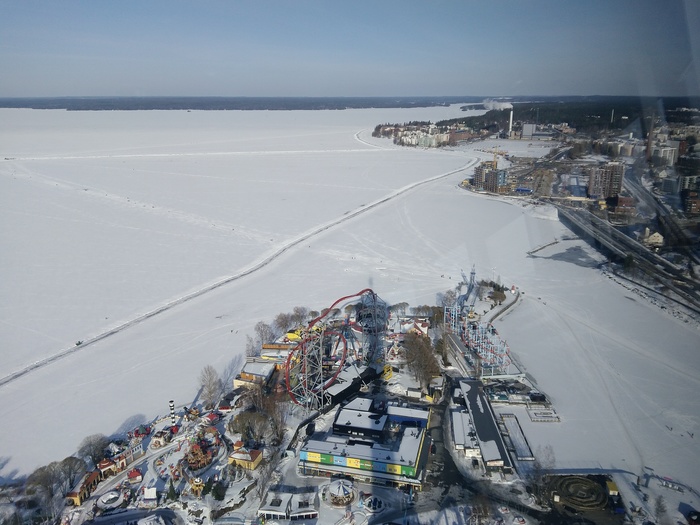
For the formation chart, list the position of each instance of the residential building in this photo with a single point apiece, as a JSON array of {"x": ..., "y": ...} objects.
[
  {"x": 497, "y": 181},
  {"x": 605, "y": 181},
  {"x": 480, "y": 173}
]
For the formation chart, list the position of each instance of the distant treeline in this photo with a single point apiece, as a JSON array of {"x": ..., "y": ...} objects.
[
  {"x": 587, "y": 114},
  {"x": 551, "y": 108}
]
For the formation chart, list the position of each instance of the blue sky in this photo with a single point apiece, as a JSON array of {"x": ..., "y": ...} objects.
[{"x": 353, "y": 48}]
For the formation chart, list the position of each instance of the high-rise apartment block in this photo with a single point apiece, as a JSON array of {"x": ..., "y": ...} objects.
[{"x": 605, "y": 181}]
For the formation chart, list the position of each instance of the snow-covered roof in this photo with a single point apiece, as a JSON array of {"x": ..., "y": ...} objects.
[
  {"x": 278, "y": 503},
  {"x": 627, "y": 329},
  {"x": 243, "y": 454},
  {"x": 517, "y": 438},
  {"x": 484, "y": 421},
  {"x": 258, "y": 369},
  {"x": 361, "y": 419},
  {"x": 413, "y": 413},
  {"x": 407, "y": 452},
  {"x": 461, "y": 427},
  {"x": 360, "y": 403},
  {"x": 153, "y": 519},
  {"x": 490, "y": 451}
]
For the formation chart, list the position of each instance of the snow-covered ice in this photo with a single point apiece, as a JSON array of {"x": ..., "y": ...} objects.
[{"x": 109, "y": 216}]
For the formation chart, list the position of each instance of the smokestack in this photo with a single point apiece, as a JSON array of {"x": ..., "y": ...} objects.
[
  {"x": 650, "y": 133},
  {"x": 510, "y": 124},
  {"x": 172, "y": 412}
]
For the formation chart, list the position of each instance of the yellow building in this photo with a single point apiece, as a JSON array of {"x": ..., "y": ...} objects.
[
  {"x": 241, "y": 456},
  {"x": 84, "y": 488}
]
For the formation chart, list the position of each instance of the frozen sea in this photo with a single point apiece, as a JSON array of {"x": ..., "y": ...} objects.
[{"x": 164, "y": 236}]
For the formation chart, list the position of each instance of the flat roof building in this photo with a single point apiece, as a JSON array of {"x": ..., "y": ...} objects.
[
  {"x": 358, "y": 449},
  {"x": 491, "y": 445},
  {"x": 254, "y": 373}
]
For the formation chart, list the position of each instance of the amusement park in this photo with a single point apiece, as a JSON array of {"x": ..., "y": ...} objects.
[{"x": 328, "y": 419}]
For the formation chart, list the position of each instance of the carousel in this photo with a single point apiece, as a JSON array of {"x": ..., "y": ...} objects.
[{"x": 340, "y": 493}]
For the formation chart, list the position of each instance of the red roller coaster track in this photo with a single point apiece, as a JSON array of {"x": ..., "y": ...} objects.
[{"x": 304, "y": 367}]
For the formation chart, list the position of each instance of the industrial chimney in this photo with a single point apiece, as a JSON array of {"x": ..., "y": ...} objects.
[{"x": 510, "y": 124}]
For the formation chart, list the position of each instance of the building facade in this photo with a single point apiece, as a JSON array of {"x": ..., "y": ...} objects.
[{"x": 605, "y": 181}]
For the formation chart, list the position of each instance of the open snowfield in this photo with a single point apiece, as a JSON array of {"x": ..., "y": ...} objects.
[{"x": 107, "y": 217}]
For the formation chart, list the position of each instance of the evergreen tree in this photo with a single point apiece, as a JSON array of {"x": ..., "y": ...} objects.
[
  {"x": 172, "y": 495},
  {"x": 219, "y": 491},
  {"x": 208, "y": 486}
]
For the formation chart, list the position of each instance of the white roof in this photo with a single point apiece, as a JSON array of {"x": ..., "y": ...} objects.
[
  {"x": 415, "y": 413},
  {"x": 489, "y": 451},
  {"x": 285, "y": 500},
  {"x": 359, "y": 403},
  {"x": 275, "y": 354},
  {"x": 461, "y": 426},
  {"x": 361, "y": 419},
  {"x": 407, "y": 452},
  {"x": 153, "y": 519},
  {"x": 259, "y": 369}
]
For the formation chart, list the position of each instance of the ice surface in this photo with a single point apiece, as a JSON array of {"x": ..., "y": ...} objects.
[{"x": 108, "y": 216}]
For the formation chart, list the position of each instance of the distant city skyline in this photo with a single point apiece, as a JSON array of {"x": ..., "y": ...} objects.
[{"x": 349, "y": 49}]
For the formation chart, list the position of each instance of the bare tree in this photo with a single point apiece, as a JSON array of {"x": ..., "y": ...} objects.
[
  {"x": 211, "y": 386},
  {"x": 264, "y": 333},
  {"x": 264, "y": 479},
  {"x": 423, "y": 309},
  {"x": 259, "y": 428},
  {"x": 251, "y": 425},
  {"x": 283, "y": 322},
  {"x": 73, "y": 470},
  {"x": 399, "y": 308},
  {"x": 12, "y": 516},
  {"x": 256, "y": 396},
  {"x": 299, "y": 315},
  {"x": 231, "y": 371},
  {"x": 48, "y": 485},
  {"x": 278, "y": 411},
  {"x": 421, "y": 358},
  {"x": 448, "y": 298},
  {"x": 93, "y": 448},
  {"x": 251, "y": 349}
]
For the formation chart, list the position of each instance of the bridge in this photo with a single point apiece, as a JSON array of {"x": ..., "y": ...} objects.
[{"x": 620, "y": 246}]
